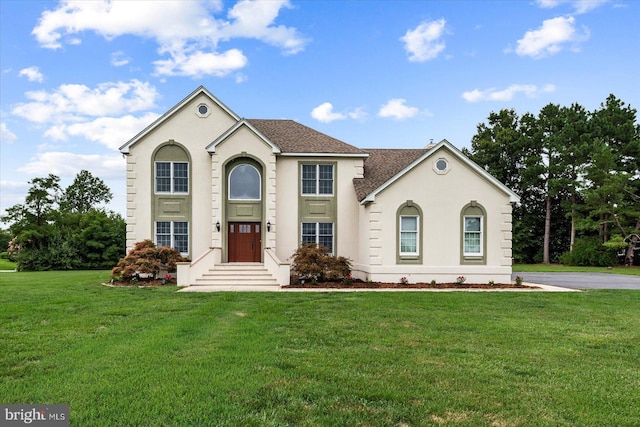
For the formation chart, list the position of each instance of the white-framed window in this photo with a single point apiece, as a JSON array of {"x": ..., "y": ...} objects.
[
  {"x": 409, "y": 235},
  {"x": 244, "y": 183},
  {"x": 174, "y": 234},
  {"x": 317, "y": 180},
  {"x": 472, "y": 235},
  {"x": 172, "y": 177},
  {"x": 320, "y": 233}
]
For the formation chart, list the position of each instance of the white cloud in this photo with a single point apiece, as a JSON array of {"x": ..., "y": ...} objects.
[
  {"x": 550, "y": 38},
  {"x": 425, "y": 41},
  {"x": 325, "y": 114},
  {"x": 397, "y": 109},
  {"x": 64, "y": 164},
  {"x": 112, "y": 132},
  {"x": 200, "y": 63},
  {"x": 119, "y": 58},
  {"x": 492, "y": 94},
  {"x": 187, "y": 31},
  {"x": 6, "y": 135},
  {"x": 580, "y": 6},
  {"x": 73, "y": 102},
  {"x": 32, "y": 74},
  {"x": 254, "y": 19}
]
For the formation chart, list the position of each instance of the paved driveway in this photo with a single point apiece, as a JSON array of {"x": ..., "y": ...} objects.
[{"x": 583, "y": 280}]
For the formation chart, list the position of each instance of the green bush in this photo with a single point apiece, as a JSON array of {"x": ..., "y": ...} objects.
[
  {"x": 313, "y": 262},
  {"x": 588, "y": 251}
]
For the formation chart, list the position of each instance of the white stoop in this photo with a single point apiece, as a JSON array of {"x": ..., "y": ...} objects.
[{"x": 236, "y": 276}]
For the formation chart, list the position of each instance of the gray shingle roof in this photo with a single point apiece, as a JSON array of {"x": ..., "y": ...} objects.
[
  {"x": 381, "y": 166},
  {"x": 293, "y": 137}
]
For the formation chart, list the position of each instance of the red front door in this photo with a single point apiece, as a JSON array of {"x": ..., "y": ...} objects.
[{"x": 245, "y": 242}]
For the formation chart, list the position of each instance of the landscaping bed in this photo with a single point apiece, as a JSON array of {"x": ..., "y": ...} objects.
[{"x": 357, "y": 284}]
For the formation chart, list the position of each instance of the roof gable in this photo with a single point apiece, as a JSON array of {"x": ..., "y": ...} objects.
[
  {"x": 385, "y": 166},
  {"x": 166, "y": 116},
  {"x": 242, "y": 123}
]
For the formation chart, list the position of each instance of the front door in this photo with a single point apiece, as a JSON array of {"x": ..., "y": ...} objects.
[{"x": 245, "y": 242}]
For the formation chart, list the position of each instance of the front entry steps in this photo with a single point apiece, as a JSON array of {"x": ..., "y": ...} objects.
[{"x": 235, "y": 276}]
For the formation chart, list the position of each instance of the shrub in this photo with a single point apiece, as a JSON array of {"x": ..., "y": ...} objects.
[
  {"x": 313, "y": 262},
  {"x": 146, "y": 259},
  {"x": 589, "y": 251}
]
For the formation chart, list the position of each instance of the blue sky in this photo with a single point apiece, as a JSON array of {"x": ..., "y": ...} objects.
[{"x": 79, "y": 79}]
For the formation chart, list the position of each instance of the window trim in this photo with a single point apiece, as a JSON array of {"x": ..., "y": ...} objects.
[
  {"x": 410, "y": 209},
  {"x": 172, "y": 235},
  {"x": 473, "y": 209},
  {"x": 172, "y": 177},
  {"x": 317, "y": 179}
]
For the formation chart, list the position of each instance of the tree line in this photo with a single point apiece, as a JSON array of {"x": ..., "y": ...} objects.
[
  {"x": 577, "y": 173},
  {"x": 64, "y": 228}
]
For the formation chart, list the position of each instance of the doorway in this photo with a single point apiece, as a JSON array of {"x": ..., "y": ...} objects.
[{"x": 245, "y": 242}]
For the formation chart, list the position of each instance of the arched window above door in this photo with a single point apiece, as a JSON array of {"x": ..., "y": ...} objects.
[{"x": 244, "y": 183}]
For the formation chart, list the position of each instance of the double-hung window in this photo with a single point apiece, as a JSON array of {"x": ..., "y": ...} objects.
[
  {"x": 320, "y": 233},
  {"x": 408, "y": 235},
  {"x": 473, "y": 236},
  {"x": 174, "y": 234},
  {"x": 172, "y": 177},
  {"x": 317, "y": 180}
]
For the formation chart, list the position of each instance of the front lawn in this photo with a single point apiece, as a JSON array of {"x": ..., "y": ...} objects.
[{"x": 151, "y": 356}]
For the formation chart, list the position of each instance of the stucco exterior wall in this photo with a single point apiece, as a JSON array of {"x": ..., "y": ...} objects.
[
  {"x": 288, "y": 223},
  {"x": 194, "y": 133},
  {"x": 441, "y": 198}
]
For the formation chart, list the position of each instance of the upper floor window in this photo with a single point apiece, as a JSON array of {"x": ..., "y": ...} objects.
[
  {"x": 317, "y": 180},
  {"x": 244, "y": 183},
  {"x": 172, "y": 177}
]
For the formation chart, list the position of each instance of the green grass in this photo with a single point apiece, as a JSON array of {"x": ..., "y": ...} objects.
[
  {"x": 556, "y": 268},
  {"x": 152, "y": 357},
  {"x": 5, "y": 264}
]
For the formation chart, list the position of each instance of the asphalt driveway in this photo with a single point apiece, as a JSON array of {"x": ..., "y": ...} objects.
[{"x": 582, "y": 280}]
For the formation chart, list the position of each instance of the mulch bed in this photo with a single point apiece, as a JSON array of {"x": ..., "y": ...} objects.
[
  {"x": 356, "y": 284},
  {"x": 381, "y": 285}
]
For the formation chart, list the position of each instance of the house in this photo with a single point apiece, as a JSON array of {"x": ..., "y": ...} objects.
[{"x": 238, "y": 196}]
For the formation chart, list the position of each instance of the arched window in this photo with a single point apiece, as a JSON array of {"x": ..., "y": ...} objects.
[
  {"x": 409, "y": 226},
  {"x": 473, "y": 222},
  {"x": 244, "y": 183},
  {"x": 171, "y": 170}
]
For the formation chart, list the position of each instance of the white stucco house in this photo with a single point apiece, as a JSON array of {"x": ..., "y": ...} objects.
[{"x": 238, "y": 196}]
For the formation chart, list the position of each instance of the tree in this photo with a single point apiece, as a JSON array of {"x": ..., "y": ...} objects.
[
  {"x": 59, "y": 231},
  {"x": 86, "y": 192},
  {"x": 612, "y": 175}
]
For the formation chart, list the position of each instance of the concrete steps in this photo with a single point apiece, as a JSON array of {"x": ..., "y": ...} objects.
[{"x": 237, "y": 276}]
